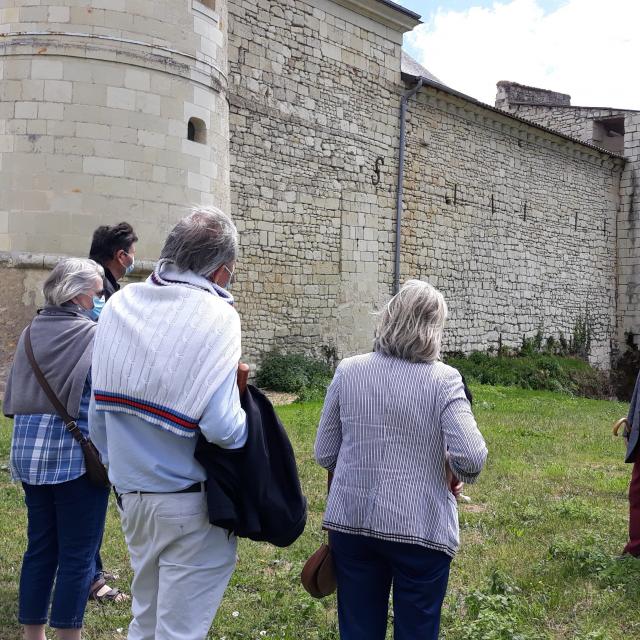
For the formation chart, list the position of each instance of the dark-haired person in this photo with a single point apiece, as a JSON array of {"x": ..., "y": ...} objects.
[{"x": 114, "y": 248}]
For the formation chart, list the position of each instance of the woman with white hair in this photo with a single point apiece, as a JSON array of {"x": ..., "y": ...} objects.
[
  {"x": 66, "y": 513},
  {"x": 398, "y": 433}
]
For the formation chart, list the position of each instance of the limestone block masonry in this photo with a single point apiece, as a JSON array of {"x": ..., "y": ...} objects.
[
  {"x": 314, "y": 92},
  {"x": 95, "y": 100},
  {"x": 517, "y": 227},
  {"x": 601, "y": 126}
]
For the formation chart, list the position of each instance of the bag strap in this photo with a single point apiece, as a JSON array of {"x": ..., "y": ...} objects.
[{"x": 69, "y": 422}]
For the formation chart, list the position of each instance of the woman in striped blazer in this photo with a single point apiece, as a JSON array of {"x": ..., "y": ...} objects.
[{"x": 398, "y": 433}]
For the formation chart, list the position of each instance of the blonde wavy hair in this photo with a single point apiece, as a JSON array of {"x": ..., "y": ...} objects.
[{"x": 411, "y": 324}]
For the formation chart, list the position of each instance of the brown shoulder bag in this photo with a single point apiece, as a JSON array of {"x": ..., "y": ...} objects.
[
  {"x": 318, "y": 575},
  {"x": 96, "y": 471}
]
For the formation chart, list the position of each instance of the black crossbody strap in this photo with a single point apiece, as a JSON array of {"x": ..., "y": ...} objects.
[{"x": 69, "y": 422}]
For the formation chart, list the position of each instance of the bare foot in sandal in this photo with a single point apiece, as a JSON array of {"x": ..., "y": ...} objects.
[{"x": 101, "y": 592}]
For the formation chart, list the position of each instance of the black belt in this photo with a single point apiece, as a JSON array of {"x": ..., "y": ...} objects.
[{"x": 196, "y": 487}]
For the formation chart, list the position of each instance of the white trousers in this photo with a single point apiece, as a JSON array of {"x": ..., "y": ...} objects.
[{"x": 181, "y": 565}]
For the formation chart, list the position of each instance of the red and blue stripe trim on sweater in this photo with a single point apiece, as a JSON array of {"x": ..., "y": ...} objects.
[{"x": 119, "y": 401}]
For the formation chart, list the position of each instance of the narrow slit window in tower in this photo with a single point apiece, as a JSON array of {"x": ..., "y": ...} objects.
[{"x": 196, "y": 130}]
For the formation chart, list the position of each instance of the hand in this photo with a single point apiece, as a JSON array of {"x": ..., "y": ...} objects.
[
  {"x": 455, "y": 485},
  {"x": 243, "y": 375}
]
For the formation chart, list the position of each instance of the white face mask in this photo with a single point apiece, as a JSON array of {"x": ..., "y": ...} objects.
[{"x": 230, "y": 280}]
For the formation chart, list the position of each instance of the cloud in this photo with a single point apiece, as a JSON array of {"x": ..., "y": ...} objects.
[{"x": 587, "y": 48}]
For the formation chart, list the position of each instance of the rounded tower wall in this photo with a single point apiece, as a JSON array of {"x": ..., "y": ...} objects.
[{"x": 94, "y": 119}]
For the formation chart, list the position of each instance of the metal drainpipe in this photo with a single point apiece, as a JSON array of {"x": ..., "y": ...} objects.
[{"x": 404, "y": 100}]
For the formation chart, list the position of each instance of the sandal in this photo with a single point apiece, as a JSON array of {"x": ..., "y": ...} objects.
[{"x": 101, "y": 592}]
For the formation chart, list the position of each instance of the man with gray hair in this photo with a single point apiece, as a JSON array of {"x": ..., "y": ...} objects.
[{"x": 164, "y": 370}]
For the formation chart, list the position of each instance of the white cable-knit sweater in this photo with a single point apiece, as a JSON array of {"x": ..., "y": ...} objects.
[{"x": 163, "y": 347}]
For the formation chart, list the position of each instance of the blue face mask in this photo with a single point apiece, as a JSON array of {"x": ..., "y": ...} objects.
[
  {"x": 129, "y": 269},
  {"x": 98, "y": 305}
]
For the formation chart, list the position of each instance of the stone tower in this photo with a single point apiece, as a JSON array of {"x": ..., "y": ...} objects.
[{"x": 109, "y": 110}]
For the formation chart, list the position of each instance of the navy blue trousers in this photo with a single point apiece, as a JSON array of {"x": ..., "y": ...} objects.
[
  {"x": 366, "y": 568},
  {"x": 65, "y": 525}
]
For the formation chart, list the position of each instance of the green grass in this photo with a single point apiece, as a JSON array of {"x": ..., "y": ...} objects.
[{"x": 539, "y": 541}]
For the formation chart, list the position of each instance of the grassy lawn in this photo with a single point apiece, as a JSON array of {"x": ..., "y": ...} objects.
[{"x": 539, "y": 540}]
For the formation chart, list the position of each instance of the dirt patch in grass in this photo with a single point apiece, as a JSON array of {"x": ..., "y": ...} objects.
[
  {"x": 474, "y": 508},
  {"x": 280, "y": 398}
]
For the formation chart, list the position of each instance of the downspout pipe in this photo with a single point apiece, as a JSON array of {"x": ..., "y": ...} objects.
[{"x": 404, "y": 101}]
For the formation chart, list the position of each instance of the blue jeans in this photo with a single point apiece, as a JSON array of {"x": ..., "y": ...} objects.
[
  {"x": 97, "y": 574},
  {"x": 367, "y": 567},
  {"x": 65, "y": 525}
]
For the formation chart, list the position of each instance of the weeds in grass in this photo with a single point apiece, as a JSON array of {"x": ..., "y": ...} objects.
[
  {"x": 589, "y": 557},
  {"x": 533, "y": 370},
  {"x": 495, "y": 612}
]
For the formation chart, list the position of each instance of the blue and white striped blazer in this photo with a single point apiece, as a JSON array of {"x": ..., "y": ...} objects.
[{"x": 385, "y": 429}]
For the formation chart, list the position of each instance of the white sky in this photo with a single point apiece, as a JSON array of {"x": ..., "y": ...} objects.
[{"x": 587, "y": 48}]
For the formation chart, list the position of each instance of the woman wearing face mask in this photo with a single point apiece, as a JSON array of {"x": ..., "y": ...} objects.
[
  {"x": 114, "y": 248},
  {"x": 66, "y": 513}
]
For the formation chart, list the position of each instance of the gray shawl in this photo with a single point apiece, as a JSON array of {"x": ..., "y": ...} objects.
[{"x": 62, "y": 340}]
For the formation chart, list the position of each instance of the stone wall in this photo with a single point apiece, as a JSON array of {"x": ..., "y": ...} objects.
[
  {"x": 21, "y": 292},
  {"x": 517, "y": 227},
  {"x": 94, "y": 122},
  {"x": 572, "y": 121},
  {"x": 314, "y": 100},
  {"x": 583, "y": 123},
  {"x": 314, "y": 93},
  {"x": 510, "y": 93}
]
